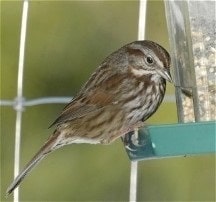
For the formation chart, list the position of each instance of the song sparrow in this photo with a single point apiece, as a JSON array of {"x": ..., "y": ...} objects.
[{"x": 126, "y": 89}]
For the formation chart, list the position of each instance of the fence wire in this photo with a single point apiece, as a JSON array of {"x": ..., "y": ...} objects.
[
  {"x": 19, "y": 99},
  {"x": 20, "y": 102},
  {"x": 134, "y": 164}
]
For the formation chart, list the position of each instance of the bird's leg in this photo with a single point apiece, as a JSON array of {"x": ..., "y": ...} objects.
[
  {"x": 133, "y": 128},
  {"x": 132, "y": 136}
]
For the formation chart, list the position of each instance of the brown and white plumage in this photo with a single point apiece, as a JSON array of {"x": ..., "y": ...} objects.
[{"x": 126, "y": 89}]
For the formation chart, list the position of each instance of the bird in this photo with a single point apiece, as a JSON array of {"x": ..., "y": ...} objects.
[{"x": 122, "y": 93}]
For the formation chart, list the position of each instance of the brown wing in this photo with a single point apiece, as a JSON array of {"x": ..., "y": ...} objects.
[
  {"x": 83, "y": 105},
  {"x": 102, "y": 93}
]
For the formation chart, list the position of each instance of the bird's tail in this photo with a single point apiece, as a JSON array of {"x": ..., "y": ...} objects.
[{"x": 50, "y": 145}]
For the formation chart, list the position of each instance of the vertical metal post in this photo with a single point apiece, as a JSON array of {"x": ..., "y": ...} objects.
[
  {"x": 142, "y": 19},
  {"x": 19, "y": 99},
  {"x": 134, "y": 164},
  {"x": 133, "y": 181}
]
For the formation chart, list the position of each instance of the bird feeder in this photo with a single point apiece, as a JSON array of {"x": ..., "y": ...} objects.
[{"x": 191, "y": 28}]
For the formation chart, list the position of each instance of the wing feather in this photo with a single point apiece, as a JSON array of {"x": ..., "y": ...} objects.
[
  {"x": 94, "y": 99},
  {"x": 78, "y": 108}
]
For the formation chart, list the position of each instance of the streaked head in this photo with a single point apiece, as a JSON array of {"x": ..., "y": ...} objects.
[{"x": 149, "y": 58}]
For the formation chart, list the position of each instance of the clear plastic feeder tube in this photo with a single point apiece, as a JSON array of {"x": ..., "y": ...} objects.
[{"x": 192, "y": 33}]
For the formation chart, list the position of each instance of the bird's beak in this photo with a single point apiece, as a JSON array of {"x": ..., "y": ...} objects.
[{"x": 165, "y": 73}]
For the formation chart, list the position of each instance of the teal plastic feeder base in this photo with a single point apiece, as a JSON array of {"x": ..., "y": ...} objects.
[{"x": 171, "y": 140}]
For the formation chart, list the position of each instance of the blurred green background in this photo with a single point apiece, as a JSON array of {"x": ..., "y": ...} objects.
[{"x": 66, "y": 41}]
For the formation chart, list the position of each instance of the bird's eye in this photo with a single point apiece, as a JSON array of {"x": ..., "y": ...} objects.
[{"x": 149, "y": 60}]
